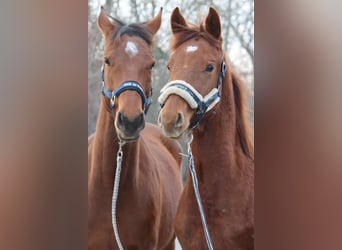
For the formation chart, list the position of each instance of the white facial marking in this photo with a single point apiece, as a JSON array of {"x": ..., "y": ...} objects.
[
  {"x": 131, "y": 49},
  {"x": 191, "y": 48}
]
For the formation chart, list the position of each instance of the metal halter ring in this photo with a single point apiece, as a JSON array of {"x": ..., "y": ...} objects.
[{"x": 112, "y": 100}]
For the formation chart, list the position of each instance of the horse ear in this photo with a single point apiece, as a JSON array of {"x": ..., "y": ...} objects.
[
  {"x": 104, "y": 24},
  {"x": 213, "y": 23},
  {"x": 177, "y": 21},
  {"x": 154, "y": 24}
]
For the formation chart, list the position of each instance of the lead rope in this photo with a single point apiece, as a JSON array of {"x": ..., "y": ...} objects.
[
  {"x": 119, "y": 156},
  {"x": 197, "y": 194}
]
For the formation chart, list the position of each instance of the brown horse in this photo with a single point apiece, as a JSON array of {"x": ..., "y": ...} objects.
[
  {"x": 150, "y": 184},
  {"x": 207, "y": 100}
]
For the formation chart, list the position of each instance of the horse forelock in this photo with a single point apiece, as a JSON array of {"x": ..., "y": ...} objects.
[
  {"x": 185, "y": 33},
  {"x": 135, "y": 29}
]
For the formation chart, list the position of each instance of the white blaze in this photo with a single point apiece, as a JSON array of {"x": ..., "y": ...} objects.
[
  {"x": 131, "y": 49},
  {"x": 191, "y": 48}
]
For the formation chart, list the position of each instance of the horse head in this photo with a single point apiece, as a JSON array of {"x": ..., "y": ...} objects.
[
  {"x": 196, "y": 67},
  {"x": 126, "y": 73}
]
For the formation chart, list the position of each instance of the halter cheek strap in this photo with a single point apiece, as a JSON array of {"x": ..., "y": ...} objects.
[
  {"x": 126, "y": 85},
  {"x": 202, "y": 104}
]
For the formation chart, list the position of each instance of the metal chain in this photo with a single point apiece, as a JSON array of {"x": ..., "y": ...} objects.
[
  {"x": 197, "y": 194},
  {"x": 119, "y": 157}
]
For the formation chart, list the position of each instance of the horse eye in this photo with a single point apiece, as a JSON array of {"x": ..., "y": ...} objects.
[
  {"x": 209, "y": 68},
  {"x": 168, "y": 67},
  {"x": 107, "y": 61},
  {"x": 152, "y": 65}
]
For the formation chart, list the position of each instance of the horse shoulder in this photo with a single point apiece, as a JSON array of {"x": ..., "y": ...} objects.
[
  {"x": 155, "y": 134},
  {"x": 167, "y": 168}
]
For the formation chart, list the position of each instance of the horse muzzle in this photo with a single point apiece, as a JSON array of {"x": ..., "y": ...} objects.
[
  {"x": 172, "y": 126},
  {"x": 128, "y": 129}
]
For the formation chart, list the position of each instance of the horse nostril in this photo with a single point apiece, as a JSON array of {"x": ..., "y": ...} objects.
[
  {"x": 140, "y": 120},
  {"x": 120, "y": 121},
  {"x": 179, "y": 120}
]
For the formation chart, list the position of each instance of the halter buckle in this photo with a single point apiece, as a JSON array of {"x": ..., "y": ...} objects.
[{"x": 112, "y": 100}]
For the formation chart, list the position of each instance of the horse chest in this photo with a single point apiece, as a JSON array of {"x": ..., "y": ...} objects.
[
  {"x": 222, "y": 222},
  {"x": 135, "y": 224}
]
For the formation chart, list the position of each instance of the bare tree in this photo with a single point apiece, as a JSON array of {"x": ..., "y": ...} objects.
[{"x": 134, "y": 8}]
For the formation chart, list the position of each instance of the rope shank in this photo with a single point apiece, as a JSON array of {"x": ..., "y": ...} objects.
[
  {"x": 119, "y": 157},
  {"x": 197, "y": 194}
]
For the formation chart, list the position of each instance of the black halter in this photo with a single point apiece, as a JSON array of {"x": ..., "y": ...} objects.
[
  {"x": 126, "y": 85},
  {"x": 203, "y": 106}
]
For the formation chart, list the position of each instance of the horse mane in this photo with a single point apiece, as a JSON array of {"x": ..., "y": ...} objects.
[
  {"x": 134, "y": 29},
  {"x": 184, "y": 33},
  {"x": 242, "y": 124}
]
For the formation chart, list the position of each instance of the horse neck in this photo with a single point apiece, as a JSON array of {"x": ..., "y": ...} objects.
[
  {"x": 215, "y": 144},
  {"x": 106, "y": 146}
]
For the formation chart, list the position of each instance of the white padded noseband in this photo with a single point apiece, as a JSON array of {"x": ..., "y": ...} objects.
[{"x": 176, "y": 87}]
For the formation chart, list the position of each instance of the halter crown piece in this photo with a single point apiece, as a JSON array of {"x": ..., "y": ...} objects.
[
  {"x": 126, "y": 85},
  {"x": 193, "y": 97}
]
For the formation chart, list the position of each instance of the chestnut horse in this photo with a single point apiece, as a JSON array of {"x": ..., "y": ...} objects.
[
  {"x": 205, "y": 99},
  {"x": 150, "y": 184}
]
